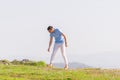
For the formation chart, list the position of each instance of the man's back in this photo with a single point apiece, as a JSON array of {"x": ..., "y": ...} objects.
[{"x": 57, "y": 34}]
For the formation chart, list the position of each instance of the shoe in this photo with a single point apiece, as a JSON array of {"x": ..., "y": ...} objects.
[
  {"x": 49, "y": 65},
  {"x": 66, "y": 67}
]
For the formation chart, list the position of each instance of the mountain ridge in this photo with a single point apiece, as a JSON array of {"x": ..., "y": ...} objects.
[{"x": 72, "y": 65}]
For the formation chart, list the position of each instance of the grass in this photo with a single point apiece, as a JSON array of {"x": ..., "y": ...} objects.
[{"x": 27, "y": 72}]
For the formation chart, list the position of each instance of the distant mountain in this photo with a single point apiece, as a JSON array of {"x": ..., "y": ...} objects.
[{"x": 73, "y": 65}]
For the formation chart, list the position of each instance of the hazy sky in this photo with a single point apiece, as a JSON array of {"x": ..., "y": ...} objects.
[{"x": 92, "y": 28}]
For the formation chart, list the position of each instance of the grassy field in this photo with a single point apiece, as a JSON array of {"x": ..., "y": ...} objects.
[{"x": 23, "y": 72}]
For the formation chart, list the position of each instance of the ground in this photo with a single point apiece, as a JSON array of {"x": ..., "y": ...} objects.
[{"x": 23, "y": 72}]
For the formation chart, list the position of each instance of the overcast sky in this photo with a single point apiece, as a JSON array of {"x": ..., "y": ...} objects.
[{"x": 91, "y": 26}]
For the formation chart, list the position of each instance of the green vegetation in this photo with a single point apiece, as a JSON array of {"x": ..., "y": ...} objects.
[
  {"x": 39, "y": 71},
  {"x": 28, "y": 62}
]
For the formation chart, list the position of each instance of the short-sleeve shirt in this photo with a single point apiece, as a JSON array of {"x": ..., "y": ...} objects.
[{"x": 57, "y": 34}]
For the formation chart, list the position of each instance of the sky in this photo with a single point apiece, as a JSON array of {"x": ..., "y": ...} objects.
[{"x": 91, "y": 26}]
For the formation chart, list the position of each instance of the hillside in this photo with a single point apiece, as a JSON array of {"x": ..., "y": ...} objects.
[
  {"x": 31, "y": 70},
  {"x": 23, "y": 72}
]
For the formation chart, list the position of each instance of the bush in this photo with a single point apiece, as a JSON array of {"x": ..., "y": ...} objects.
[
  {"x": 31, "y": 63},
  {"x": 16, "y": 62},
  {"x": 41, "y": 64},
  {"x": 5, "y": 62},
  {"x": 24, "y": 62}
]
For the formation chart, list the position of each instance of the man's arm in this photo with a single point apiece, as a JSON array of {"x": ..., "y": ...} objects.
[
  {"x": 50, "y": 43},
  {"x": 65, "y": 39}
]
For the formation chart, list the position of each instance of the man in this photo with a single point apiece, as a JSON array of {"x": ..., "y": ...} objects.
[{"x": 60, "y": 42}]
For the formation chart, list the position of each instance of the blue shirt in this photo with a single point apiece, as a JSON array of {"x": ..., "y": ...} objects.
[{"x": 57, "y": 34}]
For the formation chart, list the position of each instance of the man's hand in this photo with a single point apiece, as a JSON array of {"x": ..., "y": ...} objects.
[
  {"x": 66, "y": 44},
  {"x": 48, "y": 49},
  {"x": 65, "y": 40},
  {"x": 50, "y": 42}
]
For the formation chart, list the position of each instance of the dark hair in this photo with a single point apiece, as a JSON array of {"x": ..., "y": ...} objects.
[{"x": 49, "y": 27}]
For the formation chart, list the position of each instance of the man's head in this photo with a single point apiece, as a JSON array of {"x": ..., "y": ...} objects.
[{"x": 50, "y": 29}]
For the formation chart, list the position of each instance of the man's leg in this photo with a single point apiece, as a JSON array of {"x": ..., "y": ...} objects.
[
  {"x": 55, "y": 49},
  {"x": 64, "y": 55}
]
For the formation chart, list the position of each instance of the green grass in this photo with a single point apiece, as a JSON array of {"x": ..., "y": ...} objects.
[{"x": 27, "y": 72}]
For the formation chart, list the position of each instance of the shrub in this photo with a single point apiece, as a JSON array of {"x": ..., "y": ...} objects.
[
  {"x": 41, "y": 64},
  {"x": 31, "y": 63},
  {"x": 16, "y": 62},
  {"x": 5, "y": 62},
  {"x": 28, "y": 62}
]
